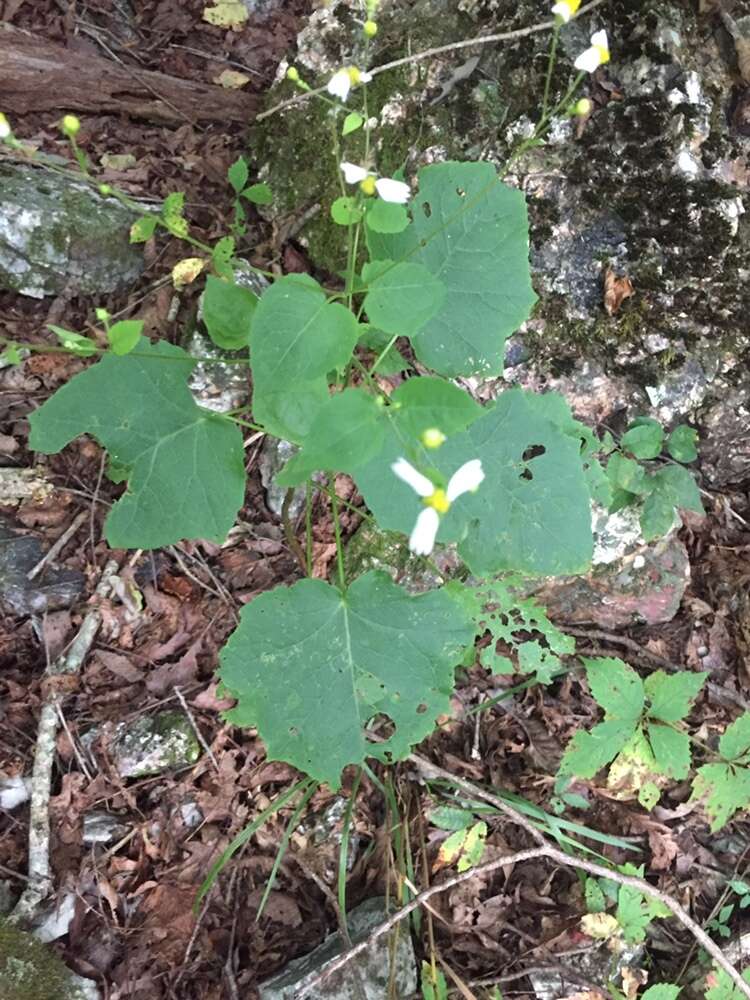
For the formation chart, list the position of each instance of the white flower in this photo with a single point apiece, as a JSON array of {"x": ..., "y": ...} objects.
[
  {"x": 594, "y": 56},
  {"x": 4, "y": 126},
  {"x": 566, "y": 9},
  {"x": 387, "y": 188},
  {"x": 344, "y": 79},
  {"x": 437, "y": 501}
]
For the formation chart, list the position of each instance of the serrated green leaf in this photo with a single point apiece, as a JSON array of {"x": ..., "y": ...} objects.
[
  {"x": 644, "y": 439},
  {"x": 671, "y": 487},
  {"x": 724, "y": 988},
  {"x": 345, "y": 433},
  {"x": 723, "y": 789},
  {"x": 345, "y": 211},
  {"x": 531, "y": 513},
  {"x": 735, "y": 741},
  {"x": 662, "y": 991},
  {"x": 238, "y": 173},
  {"x": 228, "y": 311},
  {"x": 671, "y": 750},
  {"x": 143, "y": 229},
  {"x": 76, "y": 343},
  {"x": 473, "y": 847},
  {"x": 589, "y": 752},
  {"x": 352, "y": 122},
  {"x": 450, "y": 818},
  {"x": 401, "y": 298},
  {"x": 648, "y": 795},
  {"x": 635, "y": 912},
  {"x": 471, "y": 230},
  {"x": 616, "y": 687},
  {"x": 595, "y": 901},
  {"x": 258, "y": 194},
  {"x": 310, "y": 666},
  {"x": 125, "y": 335},
  {"x": 681, "y": 443},
  {"x": 186, "y": 465},
  {"x": 385, "y": 217},
  {"x": 671, "y": 695},
  {"x": 298, "y": 337}
]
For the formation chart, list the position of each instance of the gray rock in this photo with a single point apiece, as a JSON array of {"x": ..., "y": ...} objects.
[
  {"x": 372, "y": 968},
  {"x": 100, "y": 827},
  {"x": 57, "y": 234},
  {"x": 83, "y": 989},
  {"x": 274, "y": 455},
  {"x": 29, "y": 970},
  {"x": 153, "y": 744},
  {"x": 51, "y": 590},
  {"x": 8, "y": 896},
  {"x": 597, "y": 965},
  {"x": 370, "y": 548}
]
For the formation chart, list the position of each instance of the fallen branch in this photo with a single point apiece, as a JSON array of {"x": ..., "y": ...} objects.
[
  {"x": 69, "y": 664},
  {"x": 502, "y": 36},
  {"x": 543, "y": 850}
]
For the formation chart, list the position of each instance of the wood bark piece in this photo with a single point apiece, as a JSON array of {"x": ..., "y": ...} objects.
[{"x": 36, "y": 75}]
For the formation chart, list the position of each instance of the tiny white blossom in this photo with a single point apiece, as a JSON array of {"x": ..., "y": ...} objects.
[
  {"x": 566, "y": 9},
  {"x": 422, "y": 538},
  {"x": 594, "y": 56},
  {"x": 419, "y": 483},
  {"x": 340, "y": 84},
  {"x": 393, "y": 191},
  {"x": 4, "y": 127},
  {"x": 465, "y": 480},
  {"x": 353, "y": 174}
]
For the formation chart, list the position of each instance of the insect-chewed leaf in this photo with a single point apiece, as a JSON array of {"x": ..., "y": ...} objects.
[
  {"x": 185, "y": 465},
  {"x": 472, "y": 232},
  {"x": 298, "y": 337},
  {"x": 309, "y": 666}
]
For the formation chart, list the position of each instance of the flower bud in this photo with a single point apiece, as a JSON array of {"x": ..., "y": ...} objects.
[
  {"x": 370, "y": 29},
  {"x": 583, "y": 107},
  {"x": 71, "y": 126},
  {"x": 105, "y": 190},
  {"x": 292, "y": 74},
  {"x": 432, "y": 437},
  {"x": 102, "y": 315}
]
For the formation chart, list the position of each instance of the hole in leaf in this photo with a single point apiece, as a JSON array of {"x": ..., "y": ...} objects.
[
  {"x": 423, "y": 243},
  {"x": 427, "y": 209},
  {"x": 526, "y": 474},
  {"x": 293, "y": 731},
  {"x": 421, "y": 709},
  {"x": 460, "y": 192},
  {"x": 533, "y": 451}
]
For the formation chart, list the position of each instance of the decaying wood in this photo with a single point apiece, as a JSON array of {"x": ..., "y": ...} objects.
[{"x": 36, "y": 75}]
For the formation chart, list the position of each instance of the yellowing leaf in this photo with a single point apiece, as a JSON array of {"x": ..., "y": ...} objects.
[
  {"x": 600, "y": 926},
  {"x": 118, "y": 161},
  {"x": 186, "y": 271},
  {"x": 226, "y": 14},
  {"x": 231, "y": 79}
]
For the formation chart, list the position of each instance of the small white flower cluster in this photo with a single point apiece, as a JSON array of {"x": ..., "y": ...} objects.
[
  {"x": 386, "y": 187},
  {"x": 437, "y": 501}
]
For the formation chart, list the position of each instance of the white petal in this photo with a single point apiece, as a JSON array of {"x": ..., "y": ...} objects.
[
  {"x": 562, "y": 10},
  {"x": 395, "y": 191},
  {"x": 4, "y": 130},
  {"x": 422, "y": 538},
  {"x": 588, "y": 61},
  {"x": 419, "y": 483},
  {"x": 353, "y": 174},
  {"x": 365, "y": 77},
  {"x": 340, "y": 84},
  {"x": 600, "y": 38},
  {"x": 465, "y": 480}
]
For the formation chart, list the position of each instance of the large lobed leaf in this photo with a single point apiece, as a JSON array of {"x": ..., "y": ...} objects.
[
  {"x": 310, "y": 666},
  {"x": 184, "y": 465},
  {"x": 471, "y": 232}
]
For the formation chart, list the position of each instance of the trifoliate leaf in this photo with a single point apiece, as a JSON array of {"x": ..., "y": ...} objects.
[
  {"x": 723, "y": 789},
  {"x": 589, "y": 752},
  {"x": 471, "y": 231},
  {"x": 226, "y": 14},
  {"x": 531, "y": 513},
  {"x": 681, "y": 443},
  {"x": 258, "y": 194},
  {"x": 310, "y": 666},
  {"x": 345, "y": 211},
  {"x": 671, "y": 695},
  {"x": 671, "y": 487},
  {"x": 76, "y": 343},
  {"x": 345, "y": 433},
  {"x": 644, "y": 439},
  {"x": 124, "y": 336},
  {"x": 616, "y": 687},
  {"x": 143, "y": 229},
  {"x": 298, "y": 337},
  {"x": 238, "y": 173},
  {"x": 186, "y": 476},
  {"x": 671, "y": 750},
  {"x": 401, "y": 298},
  {"x": 735, "y": 741},
  {"x": 228, "y": 311}
]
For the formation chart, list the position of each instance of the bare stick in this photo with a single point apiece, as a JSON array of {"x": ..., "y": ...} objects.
[
  {"x": 196, "y": 730},
  {"x": 40, "y": 873},
  {"x": 59, "y": 545},
  {"x": 503, "y": 36}
]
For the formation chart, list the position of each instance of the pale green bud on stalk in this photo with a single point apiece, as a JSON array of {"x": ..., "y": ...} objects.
[
  {"x": 370, "y": 29},
  {"x": 71, "y": 126}
]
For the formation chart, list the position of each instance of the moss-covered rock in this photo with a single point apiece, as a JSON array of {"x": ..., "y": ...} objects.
[
  {"x": 29, "y": 970},
  {"x": 153, "y": 744}
]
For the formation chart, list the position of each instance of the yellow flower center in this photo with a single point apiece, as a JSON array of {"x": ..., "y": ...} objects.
[
  {"x": 603, "y": 54},
  {"x": 438, "y": 501},
  {"x": 572, "y": 5},
  {"x": 367, "y": 186},
  {"x": 354, "y": 75}
]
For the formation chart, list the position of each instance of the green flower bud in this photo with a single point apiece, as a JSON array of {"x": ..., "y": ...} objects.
[
  {"x": 105, "y": 189},
  {"x": 71, "y": 126},
  {"x": 370, "y": 29},
  {"x": 292, "y": 74}
]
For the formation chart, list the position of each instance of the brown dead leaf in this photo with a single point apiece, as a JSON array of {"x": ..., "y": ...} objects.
[
  {"x": 616, "y": 290},
  {"x": 211, "y": 701}
]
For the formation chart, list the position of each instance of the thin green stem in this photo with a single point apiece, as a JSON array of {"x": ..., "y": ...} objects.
[
  {"x": 339, "y": 545},
  {"x": 344, "y": 851},
  {"x": 247, "y": 423},
  {"x": 550, "y": 68},
  {"x": 290, "y": 828}
]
